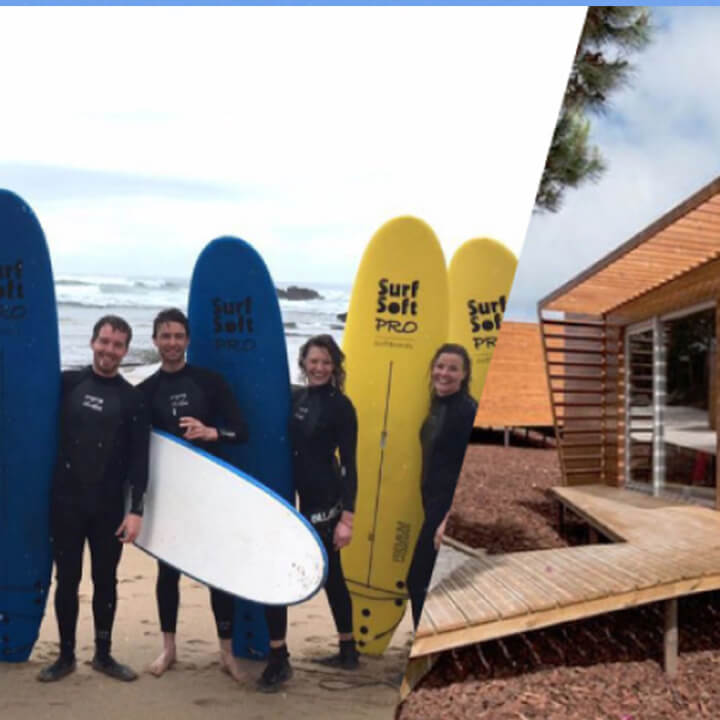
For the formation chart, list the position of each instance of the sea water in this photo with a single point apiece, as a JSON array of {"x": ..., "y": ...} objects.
[{"x": 82, "y": 299}]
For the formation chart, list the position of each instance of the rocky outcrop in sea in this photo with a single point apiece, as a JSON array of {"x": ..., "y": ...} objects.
[{"x": 298, "y": 293}]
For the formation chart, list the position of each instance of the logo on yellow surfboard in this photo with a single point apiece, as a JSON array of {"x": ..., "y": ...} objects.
[
  {"x": 397, "y": 305},
  {"x": 485, "y": 318}
]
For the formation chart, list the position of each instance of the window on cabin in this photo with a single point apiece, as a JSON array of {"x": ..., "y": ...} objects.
[{"x": 688, "y": 424}]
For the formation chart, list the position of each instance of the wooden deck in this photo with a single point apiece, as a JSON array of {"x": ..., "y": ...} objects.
[{"x": 665, "y": 550}]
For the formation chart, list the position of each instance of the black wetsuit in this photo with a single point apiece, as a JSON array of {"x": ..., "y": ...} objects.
[
  {"x": 103, "y": 450},
  {"x": 323, "y": 421},
  {"x": 444, "y": 437},
  {"x": 203, "y": 395}
]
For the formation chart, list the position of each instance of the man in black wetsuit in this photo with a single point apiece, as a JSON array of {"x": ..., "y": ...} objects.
[
  {"x": 103, "y": 449},
  {"x": 196, "y": 405}
]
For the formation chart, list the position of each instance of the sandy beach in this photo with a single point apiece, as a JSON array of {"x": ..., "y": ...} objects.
[{"x": 195, "y": 687}]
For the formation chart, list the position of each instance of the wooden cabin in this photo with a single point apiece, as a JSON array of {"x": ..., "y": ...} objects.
[
  {"x": 631, "y": 368},
  {"x": 516, "y": 392},
  {"x": 631, "y": 363}
]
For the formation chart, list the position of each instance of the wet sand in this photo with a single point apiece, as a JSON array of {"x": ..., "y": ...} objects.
[{"x": 195, "y": 687}]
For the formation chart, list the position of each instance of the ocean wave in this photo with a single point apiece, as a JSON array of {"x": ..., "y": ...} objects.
[
  {"x": 120, "y": 284},
  {"x": 161, "y": 284},
  {"x": 113, "y": 304},
  {"x": 117, "y": 287},
  {"x": 176, "y": 283},
  {"x": 143, "y": 356},
  {"x": 139, "y": 286}
]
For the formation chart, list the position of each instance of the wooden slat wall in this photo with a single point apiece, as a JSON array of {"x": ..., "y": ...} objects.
[{"x": 585, "y": 366}]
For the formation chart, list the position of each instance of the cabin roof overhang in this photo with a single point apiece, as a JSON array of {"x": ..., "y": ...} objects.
[{"x": 683, "y": 239}]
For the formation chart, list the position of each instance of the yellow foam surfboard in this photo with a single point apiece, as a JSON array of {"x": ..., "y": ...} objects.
[
  {"x": 397, "y": 318},
  {"x": 479, "y": 278}
]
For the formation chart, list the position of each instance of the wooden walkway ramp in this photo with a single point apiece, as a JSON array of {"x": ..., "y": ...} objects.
[{"x": 666, "y": 550}]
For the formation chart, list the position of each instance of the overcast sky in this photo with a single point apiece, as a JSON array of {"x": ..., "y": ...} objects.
[
  {"x": 661, "y": 142},
  {"x": 139, "y": 134}
]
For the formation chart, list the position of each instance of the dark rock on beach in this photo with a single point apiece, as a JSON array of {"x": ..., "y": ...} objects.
[
  {"x": 342, "y": 317},
  {"x": 298, "y": 293}
]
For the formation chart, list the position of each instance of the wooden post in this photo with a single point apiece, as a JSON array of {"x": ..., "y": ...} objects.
[
  {"x": 671, "y": 637},
  {"x": 415, "y": 671}
]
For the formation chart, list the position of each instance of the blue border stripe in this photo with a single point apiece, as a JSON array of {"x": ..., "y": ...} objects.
[{"x": 328, "y": 3}]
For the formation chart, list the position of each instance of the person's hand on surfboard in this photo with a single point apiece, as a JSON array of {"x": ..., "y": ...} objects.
[
  {"x": 343, "y": 531},
  {"x": 195, "y": 430},
  {"x": 129, "y": 528}
]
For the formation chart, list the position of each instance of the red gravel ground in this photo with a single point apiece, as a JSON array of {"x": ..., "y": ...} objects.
[
  {"x": 604, "y": 667},
  {"x": 501, "y": 503}
]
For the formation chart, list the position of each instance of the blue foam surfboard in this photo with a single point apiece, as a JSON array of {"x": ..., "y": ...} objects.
[
  {"x": 236, "y": 329},
  {"x": 29, "y": 397}
]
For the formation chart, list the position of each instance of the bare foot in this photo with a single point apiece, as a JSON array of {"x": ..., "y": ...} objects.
[
  {"x": 164, "y": 661},
  {"x": 229, "y": 665}
]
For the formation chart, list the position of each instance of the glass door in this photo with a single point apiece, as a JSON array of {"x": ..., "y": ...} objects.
[{"x": 689, "y": 441}]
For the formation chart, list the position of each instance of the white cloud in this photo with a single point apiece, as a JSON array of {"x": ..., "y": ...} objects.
[
  {"x": 336, "y": 118},
  {"x": 661, "y": 142}
]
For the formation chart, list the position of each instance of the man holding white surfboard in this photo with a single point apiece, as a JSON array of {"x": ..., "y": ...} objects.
[
  {"x": 197, "y": 405},
  {"x": 104, "y": 430}
]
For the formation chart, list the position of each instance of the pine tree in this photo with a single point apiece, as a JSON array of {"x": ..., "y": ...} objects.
[{"x": 601, "y": 65}]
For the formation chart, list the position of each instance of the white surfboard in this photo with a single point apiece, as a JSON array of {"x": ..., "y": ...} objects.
[{"x": 218, "y": 525}]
